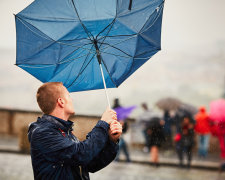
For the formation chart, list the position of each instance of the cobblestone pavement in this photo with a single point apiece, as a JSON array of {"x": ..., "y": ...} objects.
[{"x": 18, "y": 167}]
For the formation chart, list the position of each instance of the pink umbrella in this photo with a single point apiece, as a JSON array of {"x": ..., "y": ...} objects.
[
  {"x": 217, "y": 110},
  {"x": 217, "y": 114}
]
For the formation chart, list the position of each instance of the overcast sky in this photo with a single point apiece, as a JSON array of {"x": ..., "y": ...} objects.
[{"x": 193, "y": 27}]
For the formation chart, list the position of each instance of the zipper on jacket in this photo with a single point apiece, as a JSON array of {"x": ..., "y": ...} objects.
[{"x": 81, "y": 172}]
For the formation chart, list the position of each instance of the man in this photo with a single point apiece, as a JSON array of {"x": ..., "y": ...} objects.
[
  {"x": 143, "y": 121},
  {"x": 55, "y": 152}
]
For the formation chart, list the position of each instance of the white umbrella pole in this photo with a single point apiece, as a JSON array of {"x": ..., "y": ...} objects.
[{"x": 107, "y": 97}]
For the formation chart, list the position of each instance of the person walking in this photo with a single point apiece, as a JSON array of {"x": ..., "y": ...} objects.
[
  {"x": 143, "y": 120},
  {"x": 202, "y": 128},
  {"x": 55, "y": 152},
  {"x": 185, "y": 141},
  {"x": 218, "y": 129},
  {"x": 122, "y": 143},
  {"x": 167, "y": 129},
  {"x": 156, "y": 138}
]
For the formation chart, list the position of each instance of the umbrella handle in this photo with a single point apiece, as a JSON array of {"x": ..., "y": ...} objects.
[
  {"x": 103, "y": 79},
  {"x": 106, "y": 93}
]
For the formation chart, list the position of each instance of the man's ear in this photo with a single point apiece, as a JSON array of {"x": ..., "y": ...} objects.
[{"x": 61, "y": 102}]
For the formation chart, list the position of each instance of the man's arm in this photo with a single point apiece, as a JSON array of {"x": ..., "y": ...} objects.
[
  {"x": 104, "y": 158},
  {"x": 57, "y": 148},
  {"x": 108, "y": 154}
]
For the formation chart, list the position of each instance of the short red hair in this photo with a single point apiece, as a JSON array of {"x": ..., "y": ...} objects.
[{"x": 47, "y": 96}]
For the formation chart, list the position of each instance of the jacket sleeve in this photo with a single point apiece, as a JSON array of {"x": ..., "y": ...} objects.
[
  {"x": 57, "y": 148},
  {"x": 105, "y": 157}
]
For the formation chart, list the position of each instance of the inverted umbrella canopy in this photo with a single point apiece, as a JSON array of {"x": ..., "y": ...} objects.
[{"x": 66, "y": 40}]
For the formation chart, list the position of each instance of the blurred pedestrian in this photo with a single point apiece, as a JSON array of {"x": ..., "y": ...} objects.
[
  {"x": 155, "y": 138},
  {"x": 167, "y": 129},
  {"x": 143, "y": 120},
  {"x": 202, "y": 128},
  {"x": 178, "y": 118},
  {"x": 55, "y": 152},
  {"x": 185, "y": 141},
  {"x": 122, "y": 143},
  {"x": 116, "y": 103},
  {"x": 218, "y": 129}
]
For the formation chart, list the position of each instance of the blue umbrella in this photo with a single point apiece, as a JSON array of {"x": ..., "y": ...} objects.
[{"x": 84, "y": 42}]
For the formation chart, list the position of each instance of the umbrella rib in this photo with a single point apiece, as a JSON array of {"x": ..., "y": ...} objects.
[
  {"x": 133, "y": 63},
  {"x": 137, "y": 9},
  {"x": 82, "y": 64},
  {"x": 101, "y": 45},
  {"x": 145, "y": 53},
  {"x": 107, "y": 33},
  {"x": 81, "y": 71},
  {"x": 43, "y": 32},
  {"x": 149, "y": 18},
  {"x": 56, "y": 63},
  {"x": 69, "y": 60},
  {"x": 111, "y": 24},
  {"x": 120, "y": 42},
  {"x": 85, "y": 29},
  {"x": 45, "y": 66},
  {"x": 27, "y": 59},
  {"x": 75, "y": 50},
  {"x": 107, "y": 47},
  {"x": 119, "y": 35},
  {"x": 116, "y": 54},
  {"x": 106, "y": 27},
  {"x": 50, "y": 39},
  {"x": 116, "y": 48},
  {"x": 48, "y": 18}
]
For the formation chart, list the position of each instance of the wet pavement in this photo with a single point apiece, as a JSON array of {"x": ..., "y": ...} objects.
[
  {"x": 18, "y": 167},
  {"x": 167, "y": 157}
]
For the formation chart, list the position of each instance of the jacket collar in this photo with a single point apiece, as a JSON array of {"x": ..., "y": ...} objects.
[{"x": 59, "y": 123}]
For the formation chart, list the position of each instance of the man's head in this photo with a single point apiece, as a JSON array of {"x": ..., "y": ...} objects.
[{"x": 53, "y": 97}]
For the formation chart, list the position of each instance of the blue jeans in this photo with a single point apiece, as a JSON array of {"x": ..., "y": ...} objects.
[
  {"x": 203, "y": 144},
  {"x": 123, "y": 147}
]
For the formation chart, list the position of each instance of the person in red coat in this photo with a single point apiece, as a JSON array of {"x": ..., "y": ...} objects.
[{"x": 202, "y": 128}]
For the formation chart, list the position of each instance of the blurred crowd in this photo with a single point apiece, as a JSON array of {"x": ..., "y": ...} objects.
[{"x": 182, "y": 127}]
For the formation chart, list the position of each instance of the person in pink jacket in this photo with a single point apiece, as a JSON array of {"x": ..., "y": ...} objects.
[{"x": 218, "y": 129}]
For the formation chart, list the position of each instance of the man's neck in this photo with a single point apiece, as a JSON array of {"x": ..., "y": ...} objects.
[{"x": 60, "y": 115}]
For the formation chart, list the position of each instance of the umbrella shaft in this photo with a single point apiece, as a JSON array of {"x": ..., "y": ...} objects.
[{"x": 105, "y": 86}]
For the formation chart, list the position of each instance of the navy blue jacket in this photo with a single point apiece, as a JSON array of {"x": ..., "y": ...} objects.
[{"x": 57, "y": 154}]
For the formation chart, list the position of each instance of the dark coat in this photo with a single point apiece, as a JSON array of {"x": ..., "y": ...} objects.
[
  {"x": 155, "y": 132},
  {"x": 57, "y": 154}
]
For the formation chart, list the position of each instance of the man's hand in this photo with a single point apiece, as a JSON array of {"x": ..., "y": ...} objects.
[
  {"x": 115, "y": 131},
  {"x": 109, "y": 115}
]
